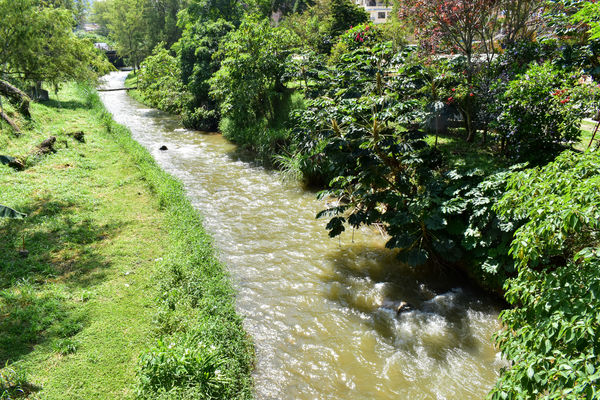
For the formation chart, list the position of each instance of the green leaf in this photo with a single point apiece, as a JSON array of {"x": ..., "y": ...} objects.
[
  {"x": 590, "y": 368},
  {"x": 7, "y": 212}
]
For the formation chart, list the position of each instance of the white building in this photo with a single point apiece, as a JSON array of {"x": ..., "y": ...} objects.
[{"x": 379, "y": 11}]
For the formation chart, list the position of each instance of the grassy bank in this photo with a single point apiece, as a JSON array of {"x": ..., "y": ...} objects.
[
  {"x": 132, "y": 81},
  {"x": 121, "y": 295}
]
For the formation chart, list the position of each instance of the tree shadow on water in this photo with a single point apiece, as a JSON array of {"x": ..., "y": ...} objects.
[
  {"x": 62, "y": 254},
  {"x": 373, "y": 283}
]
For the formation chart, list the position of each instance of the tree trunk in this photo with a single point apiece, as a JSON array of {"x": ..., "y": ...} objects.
[
  {"x": 485, "y": 133},
  {"x": 16, "y": 97},
  {"x": 468, "y": 123},
  {"x": 10, "y": 122}
]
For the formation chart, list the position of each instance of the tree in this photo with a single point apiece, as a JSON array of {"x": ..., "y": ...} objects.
[
  {"x": 462, "y": 26},
  {"x": 37, "y": 44},
  {"x": 212, "y": 10},
  {"x": 249, "y": 83},
  {"x": 344, "y": 15},
  {"x": 77, "y": 7},
  {"x": 159, "y": 81},
  {"x": 521, "y": 19},
  {"x": 473, "y": 28},
  {"x": 126, "y": 25},
  {"x": 199, "y": 42},
  {"x": 312, "y": 26},
  {"x": 161, "y": 19}
]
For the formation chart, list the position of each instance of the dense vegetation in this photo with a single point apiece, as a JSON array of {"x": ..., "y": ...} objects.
[{"x": 456, "y": 127}]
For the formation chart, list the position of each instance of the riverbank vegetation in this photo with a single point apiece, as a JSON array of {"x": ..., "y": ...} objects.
[
  {"x": 120, "y": 295},
  {"x": 109, "y": 287},
  {"x": 456, "y": 127}
]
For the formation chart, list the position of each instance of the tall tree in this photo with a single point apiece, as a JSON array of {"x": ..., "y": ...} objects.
[
  {"x": 77, "y": 7},
  {"x": 126, "y": 25},
  {"x": 161, "y": 18},
  {"x": 205, "y": 10},
  {"x": 345, "y": 14},
  {"x": 464, "y": 26},
  {"x": 37, "y": 44}
]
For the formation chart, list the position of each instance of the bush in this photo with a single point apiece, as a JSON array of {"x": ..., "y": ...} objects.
[
  {"x": 159, "y": 81},
  {"x": 168, "y": 367},
  {"x": 539, "y": 117},
  {"x": 551, "y": 336},
  {"x": 355, "y": 37},
  {"x": 201, "y": 119}
]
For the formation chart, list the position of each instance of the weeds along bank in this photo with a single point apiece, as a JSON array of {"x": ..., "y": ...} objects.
[
  {"x": 120, "y": 295},
  {"x": 202, "y": 350}
]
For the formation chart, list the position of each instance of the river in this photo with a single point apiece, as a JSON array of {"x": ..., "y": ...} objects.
[{"x": 320, "y": 310}]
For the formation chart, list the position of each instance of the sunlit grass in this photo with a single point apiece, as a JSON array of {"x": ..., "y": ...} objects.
[{"x": 78, "y": 312}]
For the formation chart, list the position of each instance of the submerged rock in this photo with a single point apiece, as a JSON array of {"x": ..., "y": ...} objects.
[{"x": 403, "y": 307}]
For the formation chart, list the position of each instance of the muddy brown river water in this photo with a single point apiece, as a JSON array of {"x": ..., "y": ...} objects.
[{"x": 320, "y": 310}]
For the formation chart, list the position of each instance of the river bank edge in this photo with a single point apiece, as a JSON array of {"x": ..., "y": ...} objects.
[
  {"x": 194, "y": 344},
  {"x": 199, "y": 324},
  {"x": 495, "y": 290}
]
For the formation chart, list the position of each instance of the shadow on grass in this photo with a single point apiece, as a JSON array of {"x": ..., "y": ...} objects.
[
  {"x": 14, "y": 384},
  {"x": 459, "y": 152},
  {"x": 61, "y": 250},
  {"x": 65, "y": 104}
]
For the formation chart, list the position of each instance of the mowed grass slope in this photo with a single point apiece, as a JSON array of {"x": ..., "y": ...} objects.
[{"x": 110, "y": 237}]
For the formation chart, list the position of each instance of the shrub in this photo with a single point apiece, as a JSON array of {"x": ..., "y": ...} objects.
[
  {"x": 201, "y": 119},
  {"x": 539, "y": 117},
  {"x": 551, "y": 336},
  {"x": 168, "y": 367},
  {"x": 159, "y": 81},
  {"x": 355, "y": 37}
]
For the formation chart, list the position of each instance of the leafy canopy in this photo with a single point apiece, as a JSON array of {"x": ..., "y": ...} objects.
[
  {"x": 551, "y": 336},
  {"x": 37, "y": 44}
]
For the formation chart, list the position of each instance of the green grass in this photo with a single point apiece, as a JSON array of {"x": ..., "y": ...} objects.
[
  {"x": 461, "y": 154},
  {"x": 587, "y": 129},
  {"x": 117, "y": 259},
  {"x": 131, "y": 81}
]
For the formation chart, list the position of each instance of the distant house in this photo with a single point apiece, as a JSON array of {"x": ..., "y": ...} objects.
[
  {"x": 111, "y": 54},
  {"x": 90, "y": 27},
  {"x": 379, "y": 11},
  {"x": 103, "y": 46}
]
